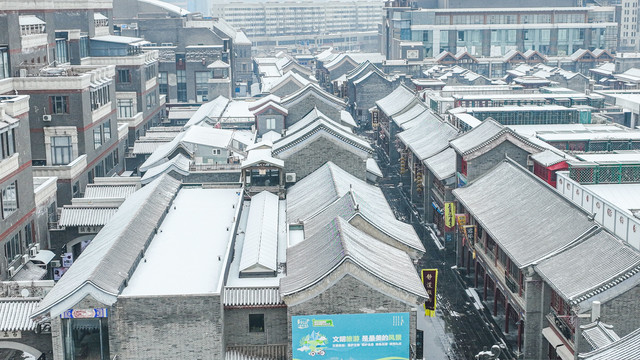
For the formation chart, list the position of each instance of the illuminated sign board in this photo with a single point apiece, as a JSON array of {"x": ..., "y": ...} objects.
[{"x": 351, "y": 336}]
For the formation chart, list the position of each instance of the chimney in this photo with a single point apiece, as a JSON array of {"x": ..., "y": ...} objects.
[{"x": 595, "y": 311}]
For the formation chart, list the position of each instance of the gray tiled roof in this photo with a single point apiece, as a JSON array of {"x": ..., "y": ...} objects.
[
  {"x": 524, "y": 215},
  {"x": 590, "y": 267},
  {"x": 320, "y": 125},
  {"x": 85, "y": 216},
  {"x": 109, "y": 191},
  {"x": 547, "y": 158},
  {"x": 373, "y": 208},
  {"x": 485, "y": 133},
  {"x": 628, "y": 347},
  {"x": 258, "y": 297},
  {"x": 316, "y": 257},
  {"x": 15, "y": 314},
  {"x": 109, "y": 259},
  {"x": 413, "y": 112},
  {"x": 443, "y": 164},
  {"x": 599, "y": 334},
  {"x": 477, "y": 136},
  {"x": 429, "y": 138},
  {"x": 321, "y": 188},
  {"x": 395, "y": 102}
]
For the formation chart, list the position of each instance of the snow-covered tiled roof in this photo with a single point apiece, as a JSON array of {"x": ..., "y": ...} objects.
[
  {"x": 396, "y": 101},
  {"x": 179, "y": 164},
  {"x": 339, "y": 242},
  {"x": 109, "y": 191},
  {"x": 85, "y": 216},
  {"x": 260, "y": 249},
  {"x": 605, "y": 263},
  {"x": 109, "y": 259},
  {"x": 316, "y": 128},
  {"x": 258, "y": 297},
  {"x": 15, "y": 314}
]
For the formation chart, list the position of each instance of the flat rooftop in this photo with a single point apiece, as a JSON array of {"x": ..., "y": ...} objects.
[{"x": 187, "y": 255}]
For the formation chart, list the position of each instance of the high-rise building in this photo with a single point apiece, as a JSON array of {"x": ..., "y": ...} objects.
[
  {"x": 496, "y": 31},
  {"x": 341, "y": 24}
]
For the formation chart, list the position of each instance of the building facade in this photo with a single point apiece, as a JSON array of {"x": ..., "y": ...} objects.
[{"x": 494, "y": 32}]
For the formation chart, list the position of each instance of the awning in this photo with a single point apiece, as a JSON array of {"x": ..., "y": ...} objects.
[
  {"x": 43, "y": 257},
  {"x": 556, "y": 342}
]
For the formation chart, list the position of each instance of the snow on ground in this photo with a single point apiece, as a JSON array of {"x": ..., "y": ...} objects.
[{"x": 187, "y": 254}]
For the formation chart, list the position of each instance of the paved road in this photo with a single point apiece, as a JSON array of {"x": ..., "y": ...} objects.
[{"x": 458, "y": 331}]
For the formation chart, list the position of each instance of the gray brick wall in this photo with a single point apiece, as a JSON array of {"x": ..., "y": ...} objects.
[
  {"x": 351, "y": 296},
  {"x": 309, "y": 158},
  {"x": 236, "y": 326},
  {"x": 301, "y": 108},
  {"x": 178, "y": 327},
  {"x": 623, "y": 312},
  {"x": 88, "y": 302},
  {"x": 287, "y": 89},
  {"x": 483, "y": 163}
]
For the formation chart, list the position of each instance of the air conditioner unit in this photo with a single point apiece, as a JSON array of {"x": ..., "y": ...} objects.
[
  {"x": 290, "y": 177},
  {"x": 11, "y": 271},
  {"x": 25, "y": 258},
  {"x": 37, "y": 246},
  {"x": 55, "y": 263},
  {"x": 33, "y": 251},
  {"x": 46, "y": 118}
]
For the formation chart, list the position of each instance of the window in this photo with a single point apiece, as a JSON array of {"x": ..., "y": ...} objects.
[
  {"x": 99, "y": 169},
  {"x": 116, "y": 160},
  {"x": 9, "y": 199},
  {"x": 61, "y": 150},
  {"x": 97, "y": 137},
  {"x": 202, "y": 88},
  {"x": 181, "y": 80},
  {"x": 163, "y": 83},
  {"x": 460, "y": 35},
  {"x": 100, "y": 97},
  {"x": 59, "y": 104},
  {"x": 125, "y": 108},
  {"x": 4, "y": 63},
  {"x": 152, "y": 99},
  {"x": 124, "y": 76},
  {"x": 62, "y": 51},
  {"x": 271, "y": 124},
  {"x": 108, "y": 162},
  {"x": 28, "y": 233},
  {"x": 86, "y": 338},
  {"x": 84, "y": 47},
  {"x": 8, "y": 142},
  {"x": 256, "y": 322},
  {"x": 150, "y": 72},
  {"x": 76, "y": 189},
  {"x": 107, "y": 130},
  {"x": 13, "y": 248}
]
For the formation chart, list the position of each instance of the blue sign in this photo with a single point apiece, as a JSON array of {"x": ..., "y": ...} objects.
[{"x": 351, "y": 336}]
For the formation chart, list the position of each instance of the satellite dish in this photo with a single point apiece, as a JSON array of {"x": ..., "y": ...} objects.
[{"x": 25, "y": 293}]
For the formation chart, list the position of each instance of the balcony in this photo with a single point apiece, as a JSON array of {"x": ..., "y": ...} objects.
[
  {"x": 9, "y": 165},
  {"x": 562, "y": 326},
  {"x": 34, "y": 40},
  {"x": 133, "y": 121},
  {"x": 101, "y": 112},
  {"x": 62, "y": 172}
]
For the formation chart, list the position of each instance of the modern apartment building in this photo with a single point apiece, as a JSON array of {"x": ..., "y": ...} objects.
[
  {"x": 496, "y": 31},
  {"x": 17, "y": 227},
  {"x": 341, "y": 24},
  {"x": 188, "y": 44},
  {"x": 629, "y": 26}
]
